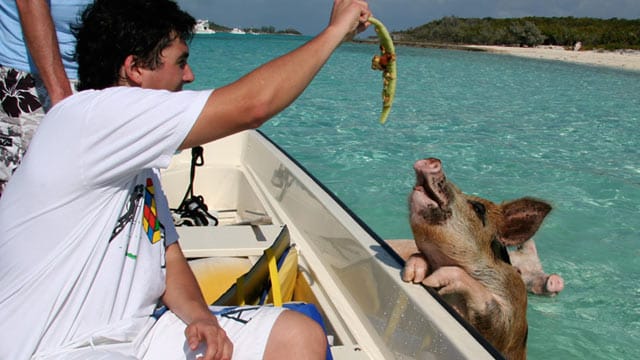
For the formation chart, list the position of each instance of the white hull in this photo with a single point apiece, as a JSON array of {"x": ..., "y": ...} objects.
[
  {"x": 202, "y": 27},
  {"x": 370, "y": 312}
]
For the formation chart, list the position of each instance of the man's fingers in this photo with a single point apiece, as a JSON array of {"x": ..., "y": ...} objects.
[
  {"x": 193, "y": 338},
  {"x": 219, "y": 347}
]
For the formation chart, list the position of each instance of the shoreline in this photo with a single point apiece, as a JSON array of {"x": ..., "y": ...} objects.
[
  {"x": 619, "y": 59},
  {"x": 628, "y": 60}
]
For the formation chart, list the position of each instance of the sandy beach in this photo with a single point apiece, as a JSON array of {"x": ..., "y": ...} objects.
[{"x": 620, "y": 59}]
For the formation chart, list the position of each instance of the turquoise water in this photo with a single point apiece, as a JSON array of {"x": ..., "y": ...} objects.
[{"x": 504, "y": 127}]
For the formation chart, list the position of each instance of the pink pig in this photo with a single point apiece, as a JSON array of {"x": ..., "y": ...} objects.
[
  {"x": 461, "y": 242},
  {"x": 525, "y": 258}
]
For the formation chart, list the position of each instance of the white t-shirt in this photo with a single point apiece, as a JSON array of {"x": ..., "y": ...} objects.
[{"x": 81, "y": 244}]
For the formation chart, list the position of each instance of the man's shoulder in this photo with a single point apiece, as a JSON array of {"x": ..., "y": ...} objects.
[
  {"x": 116, "y": 106},
  {"x": 134, "y": 93},
  {"x": 109, "y": 98}
]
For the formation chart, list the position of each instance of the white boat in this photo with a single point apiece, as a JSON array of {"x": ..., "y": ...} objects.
[
  {"x": 237, "y": 31},
  {"x": 202, "y": 27},
  {"x": 259, "y": 193}
]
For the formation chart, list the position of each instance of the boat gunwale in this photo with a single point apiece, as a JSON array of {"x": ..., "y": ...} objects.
[
  {"x": 259, "y": 159},
  {"x": 389, "y": 251}
]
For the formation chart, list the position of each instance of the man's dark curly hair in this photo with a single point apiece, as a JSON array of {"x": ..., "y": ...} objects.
[{"x": 111, "y": 30}]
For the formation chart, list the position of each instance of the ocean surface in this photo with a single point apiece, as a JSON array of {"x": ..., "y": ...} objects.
[{"x": 504, "y": 127}]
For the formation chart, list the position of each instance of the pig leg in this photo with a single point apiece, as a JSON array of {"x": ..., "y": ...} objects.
[
  {"x": 525, "y": 258},
  {"x": 450, "y": 281},
  {"x": 415, "y": 269},
  {"x": 479, "y": 304},
  {"x": 416, "y": 266},
  {"x": 403, "y": 247}
]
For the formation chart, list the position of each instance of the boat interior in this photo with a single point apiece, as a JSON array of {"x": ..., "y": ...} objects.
[{"x": 275, "y": 235}]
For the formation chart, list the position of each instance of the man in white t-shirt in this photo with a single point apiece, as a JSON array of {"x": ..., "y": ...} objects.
[{"x": 87, "y": 247}]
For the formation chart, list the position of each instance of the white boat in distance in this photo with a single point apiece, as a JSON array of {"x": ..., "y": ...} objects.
[
  {"x": 202, "y": 27},
  {"x": 259, "y": 195},
  {"x": 237, "y": 31}
]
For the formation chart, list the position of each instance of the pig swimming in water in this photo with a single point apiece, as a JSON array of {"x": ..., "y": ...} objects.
[
  {"x": 461, "y": 241},
  {"x": 525, "y": 258}
]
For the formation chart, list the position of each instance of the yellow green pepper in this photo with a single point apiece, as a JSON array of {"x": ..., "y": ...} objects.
[{"x": 386, "y": 62}]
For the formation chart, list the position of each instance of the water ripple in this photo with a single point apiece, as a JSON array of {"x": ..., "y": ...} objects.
[{"x": 504, "y": 127}]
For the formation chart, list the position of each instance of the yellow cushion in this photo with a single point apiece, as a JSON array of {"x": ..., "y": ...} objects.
[
  {"x": 249, "y": 287},
  {"x": 216, "y": 274}
]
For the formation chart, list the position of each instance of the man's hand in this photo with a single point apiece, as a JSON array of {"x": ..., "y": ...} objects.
[
  {"x": 184, "y": 298},
  {"x": 208, "y": 332},
  {"x": 350, "y": 15}
]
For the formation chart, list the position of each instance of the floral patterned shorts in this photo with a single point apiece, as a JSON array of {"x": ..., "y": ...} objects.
[{"x": 21, "y": 114}]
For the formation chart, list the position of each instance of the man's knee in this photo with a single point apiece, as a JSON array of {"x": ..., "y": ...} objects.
[{"x": 296, "y": 335}]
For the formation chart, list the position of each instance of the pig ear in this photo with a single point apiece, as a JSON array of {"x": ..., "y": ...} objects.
[{"x": 521, "y": 220}]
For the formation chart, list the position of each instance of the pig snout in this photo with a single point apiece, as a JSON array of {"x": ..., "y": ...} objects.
[
  {"x": 428, "y": 166},
  {"x": 430, "y": 196},
  {"x": 555, "y": 283}
]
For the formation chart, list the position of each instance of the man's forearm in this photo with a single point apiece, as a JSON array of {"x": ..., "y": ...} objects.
[
  {"x": 283, "y": 79},
  {"x": 182, "y": 294},
  {"x": 261, "y": 94},
  {"x": 264, "y": 92},
  {"x": 42, "y": 42}
]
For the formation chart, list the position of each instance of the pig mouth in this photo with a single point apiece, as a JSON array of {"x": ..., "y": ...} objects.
[
  {"x": 429, "y": 205},
  {"x": 431, "y": 196}
]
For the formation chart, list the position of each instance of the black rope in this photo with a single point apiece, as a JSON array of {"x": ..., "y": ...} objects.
[
  {"x": 197, "y": 159},
  {"x": 192, "y": 210}
]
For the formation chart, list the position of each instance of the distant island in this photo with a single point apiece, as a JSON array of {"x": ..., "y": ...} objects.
[
  {"x": 262, "y": 30},
  {"x": 567, "y": 32}
]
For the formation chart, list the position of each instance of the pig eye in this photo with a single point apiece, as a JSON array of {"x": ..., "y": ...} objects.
[{"x": 480, "y": 210}]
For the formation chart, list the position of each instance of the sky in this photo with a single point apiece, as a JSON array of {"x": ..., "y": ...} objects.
[{"x": 311, "y": 16}]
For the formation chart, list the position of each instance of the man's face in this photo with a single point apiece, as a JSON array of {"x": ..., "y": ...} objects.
[{"x": 173, "y": 72}]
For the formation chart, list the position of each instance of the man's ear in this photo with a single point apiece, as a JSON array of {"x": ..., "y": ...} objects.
[{"x": 131, "y": 72}]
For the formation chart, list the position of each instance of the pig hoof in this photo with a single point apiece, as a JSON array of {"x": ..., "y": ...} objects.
[{"x": 555, "y": 283}]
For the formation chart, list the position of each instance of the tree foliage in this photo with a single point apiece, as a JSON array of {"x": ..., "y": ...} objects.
[
  {"x": 218, "y": 27},
  {"x": 529, "y": 31},
  {"x": 260, "y": 30}
]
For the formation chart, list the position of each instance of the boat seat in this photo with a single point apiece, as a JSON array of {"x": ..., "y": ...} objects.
[
  {"x": 218, "y": 255},
  {"x": 236, "y": 260},
  {"x": 216, "y": 274},
  {"x": 240, "y": 240},
  {"x": 270, "y": 280}
]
